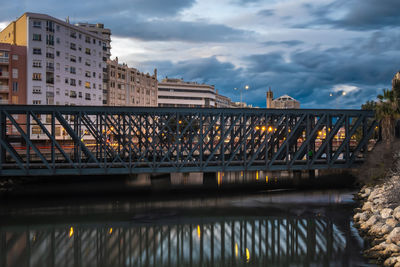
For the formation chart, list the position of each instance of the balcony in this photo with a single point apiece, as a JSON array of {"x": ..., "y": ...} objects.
[
  {"x": 50, "y": 81},
  {"x": 3, "y": 101},
  {"x": 49, "y": 68},
  {"x": 50, "y": 55},
  {"x": 4, "y": 89},
  {"x": 50, "y": 29},
  {"x": 4, "y": 74},
  {"x": 4, "y": 60}
]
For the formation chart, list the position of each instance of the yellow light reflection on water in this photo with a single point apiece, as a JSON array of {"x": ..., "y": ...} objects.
[
  {"x": 257, "y": 176},
  {"x": 71, "y": 231},
  {"x": 198, "y": 231},
  {"x": 219, "y": 179},
  {"x": 266, "y": 178},
  {"x": 247, "y": 255},
  {"x": 236, "y": 250},
  {"x": 110, "y": 231}
]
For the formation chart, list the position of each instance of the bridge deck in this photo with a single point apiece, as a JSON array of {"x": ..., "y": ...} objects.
[{"x": 58, "y": 140}]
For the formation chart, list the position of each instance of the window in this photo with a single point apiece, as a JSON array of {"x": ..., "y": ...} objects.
[
  {"x": 49, "y": 26},
  {"x": 87, "y": 85},
  {"x": 87, "y": 39},
  {"x": 94, "y": 86},
  {"x": 72, "y": 70},
  {"x": 37, "y": 37},
  {"x": 58, "y": 27},
  {"x": 15, "y": 86},
  {"x": 66, "y": 68},
  {"x": 80, "y": 48},
  {"x": 66, "y": 80},
  {"x": 15, "y": 73},
  {"x": 37, "y": 63},
  {"x": 50, "y": 39},
  {"x": 79, "y": 59},
  {"x": 72, "y": 82},
  {"x": 58, "y": 40},
  {"x": 36, "y": 128},
  {"x": 94, "y": 41},
  {"x": 37, "y": 90},
  {"x": 58, "y": 66},
  {"x": 58, "y": 53},
  {"x": 87, "y": 51},
  {"x": 66, "y": 93},
  {"x": 80, "y": 82},
  {"x": 58, "y": 91},
  {"x": 72, "y": 94},
  {"x": 73, "y": 46},
  {"x": 15, "y": 57},
  {"x": 80, "y": 94},
  {"x": 37, "y": 76},
  {"x": 94, "y": 74},
  {"x": 87, "y": 63},
  {"x": 73, "y": 34},
  {"x": 49, "y": 55},
  {"x": 87, "y": 96},
  {"x": 37, "y": 51},
  {"x": 87, "y": 74},
  {"x": 73, "y": 59},
  {"x": 37, "y": 24}
]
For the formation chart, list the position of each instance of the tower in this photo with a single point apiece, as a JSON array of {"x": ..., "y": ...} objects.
[{"x": 270, "y": 97}]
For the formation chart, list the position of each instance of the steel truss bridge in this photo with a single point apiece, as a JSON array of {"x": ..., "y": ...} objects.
[{"x": 72, "y": 140}]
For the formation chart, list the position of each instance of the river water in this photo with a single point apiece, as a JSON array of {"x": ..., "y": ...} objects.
[{"x": 265, "y": 228}]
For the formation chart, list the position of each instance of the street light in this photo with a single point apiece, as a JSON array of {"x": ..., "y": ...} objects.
[
  {"x": 343, "y": 93},
  {"x": 246, "y": 87}
]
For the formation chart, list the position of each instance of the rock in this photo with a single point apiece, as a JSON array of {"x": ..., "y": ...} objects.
[
  {"x": 367, "y": 206},
  {"x": 391, "y": 248},
  {"x": 394, "y": 236},
  {"x": 381, "y": 246},
  {"x": 371, "y": 221},
  {"x": 386, "y": 213},
  {"x": 378, "y": 201},
  {"x": 365, "y": 193},
  {"x": 362, "y": 216},
  {"x": 397, "y": 209},
  {"x": 390, "y": 261},
  {"x": 398, "y": 262},
  {"x": 392, "y": 222},
  {"x": 396, "y": 213},
  {"x": 379, "y": 229}
]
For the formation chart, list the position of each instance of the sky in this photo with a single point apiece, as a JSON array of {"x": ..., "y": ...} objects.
[{"x": 312, "y": 50}]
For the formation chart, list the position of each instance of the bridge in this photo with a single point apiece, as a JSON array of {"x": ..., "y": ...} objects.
[{"x": 76, "y": 140}]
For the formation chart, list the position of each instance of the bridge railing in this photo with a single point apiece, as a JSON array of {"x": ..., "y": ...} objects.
[{"x": 68, "y": 140}]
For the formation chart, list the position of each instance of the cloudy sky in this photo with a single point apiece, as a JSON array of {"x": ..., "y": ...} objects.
[{"x": 307, "y": 49}]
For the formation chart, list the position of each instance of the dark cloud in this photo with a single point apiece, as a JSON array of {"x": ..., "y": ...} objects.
[
  {"x": 358, "y": 14},
  {"x": 172, "y": 30},
  {"x": 266, "y": 12},
  {"x": 96, "y": 10},
  {"x": 289, "y": 43}
]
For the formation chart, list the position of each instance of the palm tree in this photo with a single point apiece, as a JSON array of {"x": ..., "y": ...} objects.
[{"x": 387, "y": 111}]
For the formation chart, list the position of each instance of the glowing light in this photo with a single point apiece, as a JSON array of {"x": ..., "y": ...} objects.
[
  {"x": 110, "y": 232},
  {"x": 219, "y": 178},
  {"x": 270, "y": 129},
  {"x": 266, "y": 178},
  {"x": 112, "y": 128},
  {"x": 247, "y": 255},
  {"x": 71, "y": 231},
  {"x": 257, "y": 128},
  {"x": 263, "y": 128},
  {"x": 319, "y": 132},
  {"x": 180, "y": 122},
  {"x": 257, "y": 176},
  {"x": 236, "y": 250},
  {"x": 241, "y": 173},
  {"x": 198, "y": 231}
]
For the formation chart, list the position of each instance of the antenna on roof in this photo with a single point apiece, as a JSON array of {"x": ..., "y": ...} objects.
[{"x": 67, "y": 20}]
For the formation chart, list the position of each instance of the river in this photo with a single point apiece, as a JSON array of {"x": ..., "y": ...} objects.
[{"x": 264, "y": 228}]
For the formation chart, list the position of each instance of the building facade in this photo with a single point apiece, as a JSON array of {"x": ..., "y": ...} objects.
[
  {"x": 99, "y": 29},
  {"x": 222, "y": 101},
  {"x": 178, "y": 93},
  {"x": 283, "y": 102},
  {"x": 64, "y": 62},
  {"x": 12, "y": 74},
  {"x": 130, "y": 87}
]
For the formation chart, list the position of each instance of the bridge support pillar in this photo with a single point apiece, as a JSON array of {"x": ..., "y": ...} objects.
[
  {"x": 210, "y": 179},
  {"x": 160, "y": 181},
  {"x": 311, "y": 174},
  {"x": 296, "y": 177}
]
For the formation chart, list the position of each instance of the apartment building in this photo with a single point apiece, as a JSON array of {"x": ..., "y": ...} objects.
[
  {"x": 64, "y": 62},
  {"x": 99, "y": 29},
  {"x": 12, "y": 74},
  {"x": 178, "y": 93},
  {"x": 130, "y": 87},
  {"x": 222, "y": 101}
]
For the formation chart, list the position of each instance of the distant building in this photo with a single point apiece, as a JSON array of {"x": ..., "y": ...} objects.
[
  {"x": 12, "y": 74},
  {"x": 283, "y": 102},
  {"x": 130, "y": 87},
  {"x": 178, "y": 93},
  {"x": 222, "y": 101}
]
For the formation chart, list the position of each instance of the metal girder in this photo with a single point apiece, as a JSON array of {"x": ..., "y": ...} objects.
[{"x": 114, "y": 140}]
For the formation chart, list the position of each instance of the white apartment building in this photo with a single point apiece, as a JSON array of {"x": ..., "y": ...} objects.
[
  {"x": 178, "y": 93},
  {"x": 64, "y": 62}
]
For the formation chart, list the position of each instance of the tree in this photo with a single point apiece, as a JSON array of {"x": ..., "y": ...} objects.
[
  {"x": 369, "y": 105},
  {"x": 387, "y": 111}
]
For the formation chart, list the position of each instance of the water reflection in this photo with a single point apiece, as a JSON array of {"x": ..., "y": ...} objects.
[{"x": 226, "y": 237}]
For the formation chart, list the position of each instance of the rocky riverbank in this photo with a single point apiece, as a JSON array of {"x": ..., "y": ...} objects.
[{"x": 378, "y": 220}]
